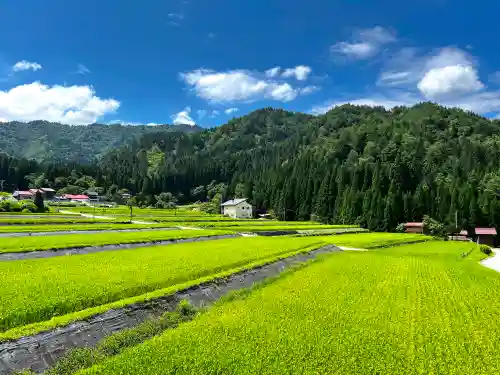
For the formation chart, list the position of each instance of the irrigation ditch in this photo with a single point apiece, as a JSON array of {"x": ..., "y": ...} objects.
[
  {"x": 79, "y": 250},
  {"x": 41, "y": 351}
]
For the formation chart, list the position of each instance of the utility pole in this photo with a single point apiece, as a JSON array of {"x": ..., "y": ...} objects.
[{"x": 456, "y": 219}]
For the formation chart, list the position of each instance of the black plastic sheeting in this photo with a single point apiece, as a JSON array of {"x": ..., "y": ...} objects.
[{"x": 40, "y": 351}]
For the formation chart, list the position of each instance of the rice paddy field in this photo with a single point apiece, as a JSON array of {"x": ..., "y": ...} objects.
[
  {"x": 414, "y": 309},
  {"x": 37, "y": 290},
  {"x": 57, "y": 242},
  {"x": 408, "y": 304}
]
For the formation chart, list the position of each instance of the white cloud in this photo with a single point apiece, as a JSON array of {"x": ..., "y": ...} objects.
[
  {"x": 273, "y": 72},
  {"x": 201, "y": 113},
  {"x": 409, "y": 66},
  {"x": 364, "y": 44},
  {"x": 183, "y": 117},
  {"x": 231, "y": 110},
  {"x": 237, "y": 85},
  {"x": 214, "y": 113},
  {"x": 65, "y": 104},
  {"x": 454, "y": 79},
  {"x": 301, "y": 72},
  {"x": 82, "y": 69},
  {"x": 355, "y": 50},
  {"x": 309, "y": 89},
  {"x": 26, "y": 65}
]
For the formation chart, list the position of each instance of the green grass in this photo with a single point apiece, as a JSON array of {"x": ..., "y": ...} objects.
[
  {"x": 40, "y": 243},
  {"x": 264, "y": 224},
  {"x": 414, "y": 309},
  {"x": 76, "y": 227},
  {"x": 373, "y": 240},
  {"x": 37, "y": 290},
  {"x": 55, "y": 220}
]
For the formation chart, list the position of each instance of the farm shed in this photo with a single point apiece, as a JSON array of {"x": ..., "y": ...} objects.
[
  {"x": 237, "y": 209},
  {"x": 414, "y": 227},
  {"x": 22, "y": 195},
  {"x": 486, "y": 236},
  {"x": 47, "y": 193}
]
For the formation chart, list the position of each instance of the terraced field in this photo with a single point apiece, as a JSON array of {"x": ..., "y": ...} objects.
[
  {"x": 76, "y": 227},
  {"x": 40, "y": 243},
  {"x": 34, "y": 291},
  {"x": 414, "y": 309}
]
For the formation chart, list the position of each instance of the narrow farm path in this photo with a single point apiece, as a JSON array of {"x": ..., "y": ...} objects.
[
  {"x": 105, "y": 217},
  {"x": 351, "y": 248},
  {"x": 493, "y": 262}
]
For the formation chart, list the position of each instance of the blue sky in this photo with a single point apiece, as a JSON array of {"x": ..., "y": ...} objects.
[{"x": 195, "y": 61}]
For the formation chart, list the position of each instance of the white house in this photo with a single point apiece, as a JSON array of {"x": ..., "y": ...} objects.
[{"x": 237, "y": 209}]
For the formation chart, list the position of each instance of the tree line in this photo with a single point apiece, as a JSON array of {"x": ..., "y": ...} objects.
[{"x": 355, "y": 164}]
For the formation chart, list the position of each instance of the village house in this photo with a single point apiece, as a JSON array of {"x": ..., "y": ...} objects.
[
  {"x": 414, "y": 228},
  {"x": 93, "y": 196},
  {"x": 486, "y": 236},
  {"x": 47, "y": 193},
  {"x": 237, "y": 209},
  {"x": 21, "y": 195},
  {"x": 80, "y": 198}
]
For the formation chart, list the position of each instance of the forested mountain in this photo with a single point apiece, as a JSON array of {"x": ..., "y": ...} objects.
[
  {"x": 352, "y": 165},
  {"x": 42, "y": 140}
]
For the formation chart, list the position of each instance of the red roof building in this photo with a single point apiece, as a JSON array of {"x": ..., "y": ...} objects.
[
  {"x": 22, "y": 194},
  {"x": 416, "y": 227},
  {"x": 77, "y": 197},
  {"x": 486, "y": 236}
]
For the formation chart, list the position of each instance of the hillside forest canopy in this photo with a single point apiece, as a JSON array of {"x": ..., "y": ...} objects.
[{"x": 354, "y": 164}]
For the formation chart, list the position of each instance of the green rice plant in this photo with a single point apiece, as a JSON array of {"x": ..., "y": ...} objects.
[
  {"x": 58, "y": 242},
  {"x": 37, "y": 290},
  {"x": 77, "y": 227},
  {"x": 413, "y": 309},
  {"x": 374, "y": 240},
  {"x": 55, "y": 220}
]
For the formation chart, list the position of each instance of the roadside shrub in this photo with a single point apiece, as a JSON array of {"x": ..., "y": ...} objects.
[
  {"x": 10, "y": 206},
  {"x": 485, "y": 249},
  {"x": 28, "y": 206}
]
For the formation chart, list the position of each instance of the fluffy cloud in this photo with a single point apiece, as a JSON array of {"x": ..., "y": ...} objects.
[
  {"x": 409, "y": 66},
  {"x": 26, "y": 65},
  {"x": 69, "y": 105},
  {"x": 454, "y": 79},
  {"x": 273, "y": 72},
  {"x": 364, "y": 44},
  {"x": 237, "y": 85},
  {"x": 183, "y": 117},
  {"x": 231, "y": 110},
  {"x": 301, "y": 72}
]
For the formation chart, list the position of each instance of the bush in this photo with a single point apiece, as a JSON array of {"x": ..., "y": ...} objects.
[
  {"x": 400, "y": 228},
  {"x": 10, "y": 206},
  {"x": 28, "y": 206},
  {"x": 485, "y": 249}
]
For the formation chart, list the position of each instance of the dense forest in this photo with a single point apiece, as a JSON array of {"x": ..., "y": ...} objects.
[
  {"x": 42, "y": 140},
  {"x": 354, "y": 164}
]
